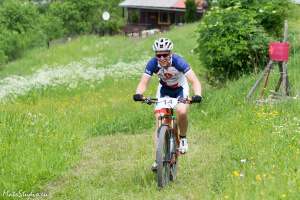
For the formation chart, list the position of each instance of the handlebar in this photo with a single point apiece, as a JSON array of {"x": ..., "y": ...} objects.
[{"x": 150, "y": 100}]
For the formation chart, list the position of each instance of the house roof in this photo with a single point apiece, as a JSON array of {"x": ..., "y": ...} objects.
[
  {"x": 149, "y": 3},
  {"x": 180, "y": 4},
  {"x": 155, "y": 4}
]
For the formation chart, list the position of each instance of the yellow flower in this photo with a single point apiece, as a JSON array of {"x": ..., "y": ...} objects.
[
  {"x": 258, "y": 178},
  {"x": 274, "y": 113},
  {"x": 236, "y": 173}
]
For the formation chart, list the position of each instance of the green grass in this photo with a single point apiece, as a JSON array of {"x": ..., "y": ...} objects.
[
  {"x": 109, "y": 50},
  {"x": 95, "y": 142}
]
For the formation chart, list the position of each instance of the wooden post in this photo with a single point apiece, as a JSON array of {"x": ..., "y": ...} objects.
[
  {"x": 266, "y": 71},
  {"x": 282, "y": 69},
  {"x": 280, "y": 79},
  {"x": 285, "y": 83},
  {"x": 284, "y": 64},
  {"x": 267, "y": 74}
]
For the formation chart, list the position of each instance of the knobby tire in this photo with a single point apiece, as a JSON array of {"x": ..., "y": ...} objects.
[{"x": 162, "y": 156}]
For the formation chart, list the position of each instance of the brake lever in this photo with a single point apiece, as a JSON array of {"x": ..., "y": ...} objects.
[
  {"x": 184, "y": 100},
  {"x": 148, "y": 101}
]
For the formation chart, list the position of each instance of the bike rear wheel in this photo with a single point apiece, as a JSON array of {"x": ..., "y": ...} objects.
[
  {"x": 173, "y": 156},
  {"x": 163, "y": 156}
]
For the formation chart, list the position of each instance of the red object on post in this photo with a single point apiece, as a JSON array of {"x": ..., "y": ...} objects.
[{"x": 279, "y": 51}]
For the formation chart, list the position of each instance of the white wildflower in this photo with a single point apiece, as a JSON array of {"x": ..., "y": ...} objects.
[
  {"x": 70, "y": 75},
  {"x": 216, "y": 24},
  {"x": 204, "y": 113}
]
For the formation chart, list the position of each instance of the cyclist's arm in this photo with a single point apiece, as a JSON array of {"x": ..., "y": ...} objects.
[
  {"x": 143, "y": 85},
  {"x": 192, "y": 78}
]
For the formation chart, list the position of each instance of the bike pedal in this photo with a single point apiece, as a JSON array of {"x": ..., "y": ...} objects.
[
  {"x": 181, "y": 152},
  {"x": 154, "y": 170}
]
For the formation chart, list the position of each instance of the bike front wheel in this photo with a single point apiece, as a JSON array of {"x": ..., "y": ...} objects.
[{"x": 163, "y": 156}]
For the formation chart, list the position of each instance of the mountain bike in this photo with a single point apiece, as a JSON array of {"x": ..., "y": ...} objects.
[{"x": 167, "y": 138}]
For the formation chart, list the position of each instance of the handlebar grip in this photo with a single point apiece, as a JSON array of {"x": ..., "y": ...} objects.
[
  {"x": 138, "y": 97},
  {"x": 196, "y": 99}
]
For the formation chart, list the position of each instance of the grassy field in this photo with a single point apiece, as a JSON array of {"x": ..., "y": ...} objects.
[{"x": 88, "y": 140}]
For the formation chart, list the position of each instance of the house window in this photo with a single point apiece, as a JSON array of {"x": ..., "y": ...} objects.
[
  {"x": 179, "y": 18},
  {"x": 164, "y": 18}
]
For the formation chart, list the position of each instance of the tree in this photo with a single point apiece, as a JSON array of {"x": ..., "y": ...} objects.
[
  {"x": 78, "y": 16},
  {"x": 191, "y": 11}
]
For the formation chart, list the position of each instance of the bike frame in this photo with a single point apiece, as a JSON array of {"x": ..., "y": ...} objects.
[{"x": 168, "y": 118}]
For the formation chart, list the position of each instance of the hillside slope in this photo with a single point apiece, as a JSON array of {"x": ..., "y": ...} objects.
[{"x": 88, "y": 140}]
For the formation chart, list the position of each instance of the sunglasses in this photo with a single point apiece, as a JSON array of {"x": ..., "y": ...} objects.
[{"x": 162, "y": 56}]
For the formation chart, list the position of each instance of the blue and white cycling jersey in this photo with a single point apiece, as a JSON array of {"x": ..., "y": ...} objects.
[{"x": 173, "y": 76}]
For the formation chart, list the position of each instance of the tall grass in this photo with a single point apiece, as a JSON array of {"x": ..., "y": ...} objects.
[{"x": 43, "y": 129}]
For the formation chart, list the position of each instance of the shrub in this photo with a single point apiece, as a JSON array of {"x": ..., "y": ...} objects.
[
  {"x": 113, "y": 25},
  {"x": 270, "y": 14},
  {"x": 116, "y": 21},
  {"x": 78, "y": 16},
  {"x": 191, "y": 10},
  {"x": 227, "y": 3},
  {"x": 18, "y": 16},
  {"x": 25, "y": 24},
  {"x": 52, "y": 26},
  {"x": 209, "y": 3},
  {"x": 69, "y": 15},
  {"x": 20, "y": 29},
  {"x": 11, "y": 45},
  {"x": 230, "y": 46}
]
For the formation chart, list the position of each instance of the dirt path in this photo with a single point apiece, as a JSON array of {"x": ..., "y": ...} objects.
[{"x": 117, "y": 167}]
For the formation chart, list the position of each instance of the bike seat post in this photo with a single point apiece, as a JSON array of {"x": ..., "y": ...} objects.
[
  {"x": 168, "y": 120},
  {"x": 172, "y": 112},
  {"x": 173, "y": 121},
  {"x": 160, "y": 120}
]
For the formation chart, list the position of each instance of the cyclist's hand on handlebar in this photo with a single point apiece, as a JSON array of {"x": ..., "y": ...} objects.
[
  {"x": 138, "y": 97},
  {"x": 196, "y": 99}
]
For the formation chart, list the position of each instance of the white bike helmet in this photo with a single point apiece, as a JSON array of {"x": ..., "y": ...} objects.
[{"x": 162, "y": 44}]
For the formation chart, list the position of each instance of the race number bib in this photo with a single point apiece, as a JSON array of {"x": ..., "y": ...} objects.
[{"x": 166, "y": 102}]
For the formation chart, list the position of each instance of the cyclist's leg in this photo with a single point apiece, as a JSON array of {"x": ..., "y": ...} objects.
[
  {"x": 182, "y": 119},
  {"x": 182, "y": 122},
  {"x": 182, "y": 110}
]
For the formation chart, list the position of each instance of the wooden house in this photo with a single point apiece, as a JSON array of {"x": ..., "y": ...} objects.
[{"x": 150, "y": 14}]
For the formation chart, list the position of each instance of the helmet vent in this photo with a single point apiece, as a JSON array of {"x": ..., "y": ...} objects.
[{"x": 162, "y": 44}]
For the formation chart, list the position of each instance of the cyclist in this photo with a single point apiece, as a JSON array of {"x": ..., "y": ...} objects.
[{"x": 174, "y": 74}]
